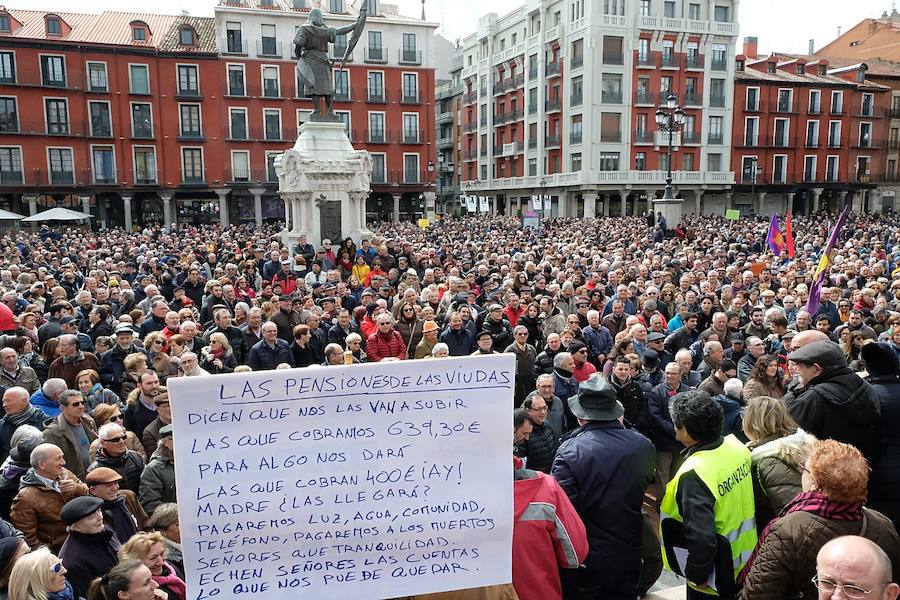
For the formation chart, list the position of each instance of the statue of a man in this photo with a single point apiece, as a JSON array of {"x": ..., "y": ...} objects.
[{"x": 314, "y": 65}]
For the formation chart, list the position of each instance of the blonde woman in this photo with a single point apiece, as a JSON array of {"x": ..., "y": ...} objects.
[
  {"x": 165, "y": 521},
  {"x": 150, "y": 549},
  {"x": 156, "y": 344},
  {"x": 39, "y": 575},
  {"x": 218, "y": 356}
]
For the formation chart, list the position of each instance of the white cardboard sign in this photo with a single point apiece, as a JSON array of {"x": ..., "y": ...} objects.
[{"x": 362, "y": 481}]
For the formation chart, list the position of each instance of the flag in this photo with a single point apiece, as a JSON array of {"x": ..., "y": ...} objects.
[
  {"x": 789, "y": 237},
  {"x": 812, "y": 305},
  {"x": 774, "y": 239}
]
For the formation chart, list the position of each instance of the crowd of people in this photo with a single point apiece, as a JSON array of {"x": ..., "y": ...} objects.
[{"x": 675, "y": 404}]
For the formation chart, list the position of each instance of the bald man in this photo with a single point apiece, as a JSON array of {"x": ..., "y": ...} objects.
[
  {"x": 854, "y": 567},
  {"x": 808, "y": 337}
]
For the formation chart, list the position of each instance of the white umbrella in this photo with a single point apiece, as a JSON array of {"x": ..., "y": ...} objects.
[
  {"x": 57, "y": 214},
  {"x": 5, "y": 215}
]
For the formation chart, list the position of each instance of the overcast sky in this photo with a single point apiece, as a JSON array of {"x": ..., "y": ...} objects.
[{"x": 783, "y": 25}]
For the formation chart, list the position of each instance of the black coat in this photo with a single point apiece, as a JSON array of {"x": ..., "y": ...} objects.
[
  {"x": 543, "y": 364},
  {"x": 632, "y": 398},
  {"x": 838, "y": 405},
  {"x": 88, "y": 556},
  {"x": 605, "y": 469},
  {"x": 540, "y": 449},
  {"x": 884, "y": 484},
  {"x": 662, "y": 430},
  {"x": 130, "y": 466}
]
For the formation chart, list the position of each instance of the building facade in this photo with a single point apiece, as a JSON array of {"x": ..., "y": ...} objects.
[
  {"x": 559, "y": 98},
  {"x": 141, "y": 118},
  {"x": 448, "y": 124}
]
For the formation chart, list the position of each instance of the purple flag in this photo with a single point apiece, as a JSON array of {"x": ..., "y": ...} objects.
[{"x": 812, "y": 305}]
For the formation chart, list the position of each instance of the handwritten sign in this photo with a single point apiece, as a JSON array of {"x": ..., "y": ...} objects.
[
  {"x": 423, "y": 223},
  {"x": 360, "y": 481},
  {"x": 733, "y": 214}
]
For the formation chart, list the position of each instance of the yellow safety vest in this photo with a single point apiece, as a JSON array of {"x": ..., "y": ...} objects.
[{"x": 725, "y": 471}]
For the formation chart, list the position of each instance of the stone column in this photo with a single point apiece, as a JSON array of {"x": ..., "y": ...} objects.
[
  {"x": 168, "y": 213},
  {"x": 358, "y": 218},
  {"x": 222, "y": 193},
  {"x": 508, "y": 205},
  {"x": 430, "y": 198},
  {"x": 760, "y": 203},
  {"x": 590, "y": 204},
  {"x": 728, "y": 198},
  {"x": 257, "y": 204},
  {"x": 623, "y": 199},
  {"x": 698, "y": 202},
  {"x": 31, "y": 199},
  {"x": 126, "y": 206},
  {"x": 816, "y": 196},
  {"x": 85, "y": 204},
  {"x": 396, "y": 213},
  {"x": 607, "y": 199}
]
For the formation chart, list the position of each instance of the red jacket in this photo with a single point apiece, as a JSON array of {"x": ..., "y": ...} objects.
[
  {"x": 287, "y": 282},
  {"x": 513, "y": 315},
  {"x": 380, "y": 346},
  {"x": 547, "y": 533}
]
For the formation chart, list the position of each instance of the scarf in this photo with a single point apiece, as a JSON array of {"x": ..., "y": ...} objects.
[
  {"x": 67, "y": 593},
  {"x": 170, "y": 581},
  {"x": 24, "y": 416},
  {"x": 94, "y": 389},
  {"x": 812, "y": 502},
  {"x": 218, "y": 352}
]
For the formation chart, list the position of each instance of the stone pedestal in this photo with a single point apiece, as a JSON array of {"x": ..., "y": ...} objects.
[
  {"x": 671, "y": 210},
  {"x": 324, "y": 183}
]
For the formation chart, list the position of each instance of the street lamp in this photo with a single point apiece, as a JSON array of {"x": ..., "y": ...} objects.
[
  {"x": 543, "y": 204},
  {"x": 670, "y": 119}
]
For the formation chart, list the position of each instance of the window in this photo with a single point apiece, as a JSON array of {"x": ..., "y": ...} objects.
[
  {"x": 868, "y": 105},
  {"x": 815, "y": 102},
  {"x": 643, "y": 51},
  {"x": 139, "y": 34},
  {"x": 645, "y": 8},
  {"x": 750, "y": 169},
  {"x": 234, "y": 42},
  {"x": 643, "y": 91},
  {"x": 190, "y": 120},
  {"x": 4, "y": 23},
  {"x": 694, "y": 11},
  {"x": 576, "y": 161},
  {"x": 141, "y": 120},
  {"x": 336, "y": 6},
  {"x": 663, "y": 162},
  {"x": 62, "y": 166},
  {"x": 669, "y": 9},
  {"x": 272, "y": 121},
  {"x": 339, "y": 49},
  {"x": 577, "y": 54},
  {"x": 751, "y": 131},
  {"x": 342, "y": 85},
  {"x": 611, "y": 92},
  {"x": 410, "y": 128},
  {"x": 53, "y": 71},
  {"x": 101, "y": 123},
  {"x": 609, "y": 161},
  {"x": 834, "y": 134},
  {"x": 144, "y": 165},
  {"x": 668, "y": 54},
  {"x": 411, "y": 168},
  {"x": 614, "y": 7},
  {"x": 240, "y": 165},
  {"x": 271, "y": 84},
  {"x": 270, "y": 166},
  {"x": 372, "y": 7},
  {"x": 236, "y": 80},
  {"x": 640, "y": 161},
  {"x": 378, "y": 169},
  {"x": 837, "y": 103},
  {"x": 532, "y": 167},
  {"x": 54, "y": 26},
  {"x": 717, "y": 92},
  {"x": 613, "y": 53},
  {"x": 8, "y": 67},
  {"x": 374, "y": 50},
  {"x": 376, "y": 127},
  {"x": 186, "y": 36},
  {"x": 97, "y": 77},
  {"x": 410, "y": 88},
  {"x": 9, "y": 115},
  {"x": 376, "y": 86},
  {"x": 139, "y": 79},
  {"x": 779, "y": 168},
  {"x": 865, "y": 135},
  {"x": 715, "y": 130},
  {"x": 785, "y": 100},
  {"x": 10, "y": 166},
  {"x": 714, "y": 162},
  {"x": 409, "y": 53},
  {"x": 719, "y": 57},
  {"x": 809, "y": 168},
  {"x": 782, "y": 131},
  {"x": 688, "y": 162},
  {"x": 344, "y": 116},
  {"x": 610, "y": 127},
  {"x": 268, "y": 45},
  {"x": 812, "y": 134},
  {"x": 721, "y": 14},
  {"x": 192, "y": 165},
  {"x": 57, "y": 111},
  {"x": 577, "y": 91},
  {"x": 832, "y": 168},
  {"x": 188, "y": 80},
  {"x": 103, "y": 164},
  {"x": 237, "y": 118},
  {"x": 575, "y": 130}
]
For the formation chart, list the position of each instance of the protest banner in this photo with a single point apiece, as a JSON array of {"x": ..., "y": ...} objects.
[
  {"x": 733, "y": 214},
  {"x": 483, "y": 204},
  {"x": 360, "y": 481},
  {"x": 471, "y": 204}
]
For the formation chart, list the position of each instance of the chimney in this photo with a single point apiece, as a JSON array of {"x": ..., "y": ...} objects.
[
  {"x": 751, "y": 47},
  {"x": 812, "y": 47}
]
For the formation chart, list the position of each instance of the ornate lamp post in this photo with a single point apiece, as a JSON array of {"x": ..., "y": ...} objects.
[{"x": 670, "y": 120}]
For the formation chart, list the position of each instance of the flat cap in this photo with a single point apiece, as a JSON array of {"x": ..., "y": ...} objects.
[
  {"x": 824, "y": 353},
  {"x": 102, "y": 475},
  {"x": 79, "y": 508}
]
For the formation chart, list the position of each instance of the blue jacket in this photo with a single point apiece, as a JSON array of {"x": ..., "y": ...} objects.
[
  {"x": 460, "y": 343},
  {"x": 565, "y": 390},
  {"x": 47, "y": 406},
  {"x": 605, "y": 469},
  {"x": 630, "y": 307},
  {"x": 265, "y": 358},
  {"x": 662, "y": 430},
  {"x": 600, "y": 339}
]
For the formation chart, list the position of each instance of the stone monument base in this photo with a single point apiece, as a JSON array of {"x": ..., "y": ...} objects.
[
  {"x": 324, "y": 183},
  {"x": 671, "y": 210}
]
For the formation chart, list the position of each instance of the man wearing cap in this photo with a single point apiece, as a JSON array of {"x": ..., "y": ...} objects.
[
  {"x": 429, "y": 339},
  {"x": 121, "y": 510},
  {"x": 484, "y": 343},
  {"x": 70, "y": 325},
  {"x": 72, "y": 431},
  {"x": 628, "y": 393},
  {"x": 736, "y": 351},
  {"x": 43, "y": 491},
  {"x": 285, "y": 278},
  {"x": 525, "y": 357},
  {"x": 112, "y": 363},
  {"x": 286, "y": 318},
  {"x": 90, "y": 548},
  {"x": 583, "y": 367},
  {"x": 833, "y": 402},
  {"x": 498, "y": 326},
  {"x": 605, "y": 468},
  {"x": 72, "y": 360},
  {"x": 656, "y": 341}
]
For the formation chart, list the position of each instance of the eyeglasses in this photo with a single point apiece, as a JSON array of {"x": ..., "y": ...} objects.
[
  {"x": 542, "y": 409},
  {"x": 80, "y": 403},
  {"x": 116, "y": 418},
  {"x": 851, "y": 591},
  {"x": 116, "y": 440},
  {"x": 57, "y": 568},
  {"x": 581, "y": 352},
  {"x": 521, "y": 333}
]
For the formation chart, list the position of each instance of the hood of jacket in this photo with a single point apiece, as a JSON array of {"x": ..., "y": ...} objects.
[
  {"x": 792, "y": 450},
  {"x": 31, "y": 479},
  {"x": 845, "y": 389}
]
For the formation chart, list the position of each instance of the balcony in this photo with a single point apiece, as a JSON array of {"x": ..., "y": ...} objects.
[
  {"x": 552, "y": 69},
  {"x": 784, "y": 107},
  {"x": 187, "y": 94},
  {"x": 193, "y": 177},
  {"x": 338, "y": 52},
  {"x": 611, "y": 96},
  {"x": 444, "y": 117},
  {"x": 269, "y": 48},
  {"x": 552, "y": 141},
  {"x": 669, "y": 61},
  {"x": 270, "y": 89},
  {"x": 895, "y": 112},
  {"x": 834, "y": 143},
  {"x": 409, "y": 57},
  {"x": 11, "y": 178},
  {"x": 783, "y": 141},
  {"x": 445, "y": 142},
  {"x": 837, "y": 110},
  {"x": 470, "y": 155},
  {"x": 343, "y": 94},
  {"x": 532, "y": 143},
  {"x": 664, "y": 96},
  {"x": 697, "y": 61},
  {"x": 191, "y": 136},
  {"x": 376, "y": 136},
  {"x": 470, "y": 98},
  {"x": 497, "y": 150},
  {"x": 693, "y": 99},
  {"x": 643, "y": 97},
  {"x": 691, "y": 137},
  {"x": 642, "y": 136},
  {"x": 498, "y": 88},
  {"x": 532, "y": 72},
  {"x": 717, "y": 101},
  {"x": 613, "y": 58},
  {"x": 814, "y": 109},
  {"x": 647, "y": 60},
  {"x": 236, "y": 89},
  {"x": 412, "y": 136},
  {"x": 611, "y": 137},
  {"x": 576, "y": 100},
  {"x": 578, "y": 61},
  {"x": 866, "y": 143},
  {"x": 715, "y": 138},
  {"x": 235, "y": 46},
  {"x": 376, "y": 96},
  {"x": 470, "y": 127},
  {"x": 552, "y": 105},
  {"x": 575, "y": 137},
  {"x": 718, "y": 65},
  {"x": 375, "y": 55},
  {"x": 410, "y": 97}
]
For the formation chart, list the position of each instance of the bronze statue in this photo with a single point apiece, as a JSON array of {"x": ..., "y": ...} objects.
[{"x": 313, "y": 63}]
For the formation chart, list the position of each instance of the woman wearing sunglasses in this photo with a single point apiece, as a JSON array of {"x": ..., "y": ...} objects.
[{"x": 37, "y": 575}]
